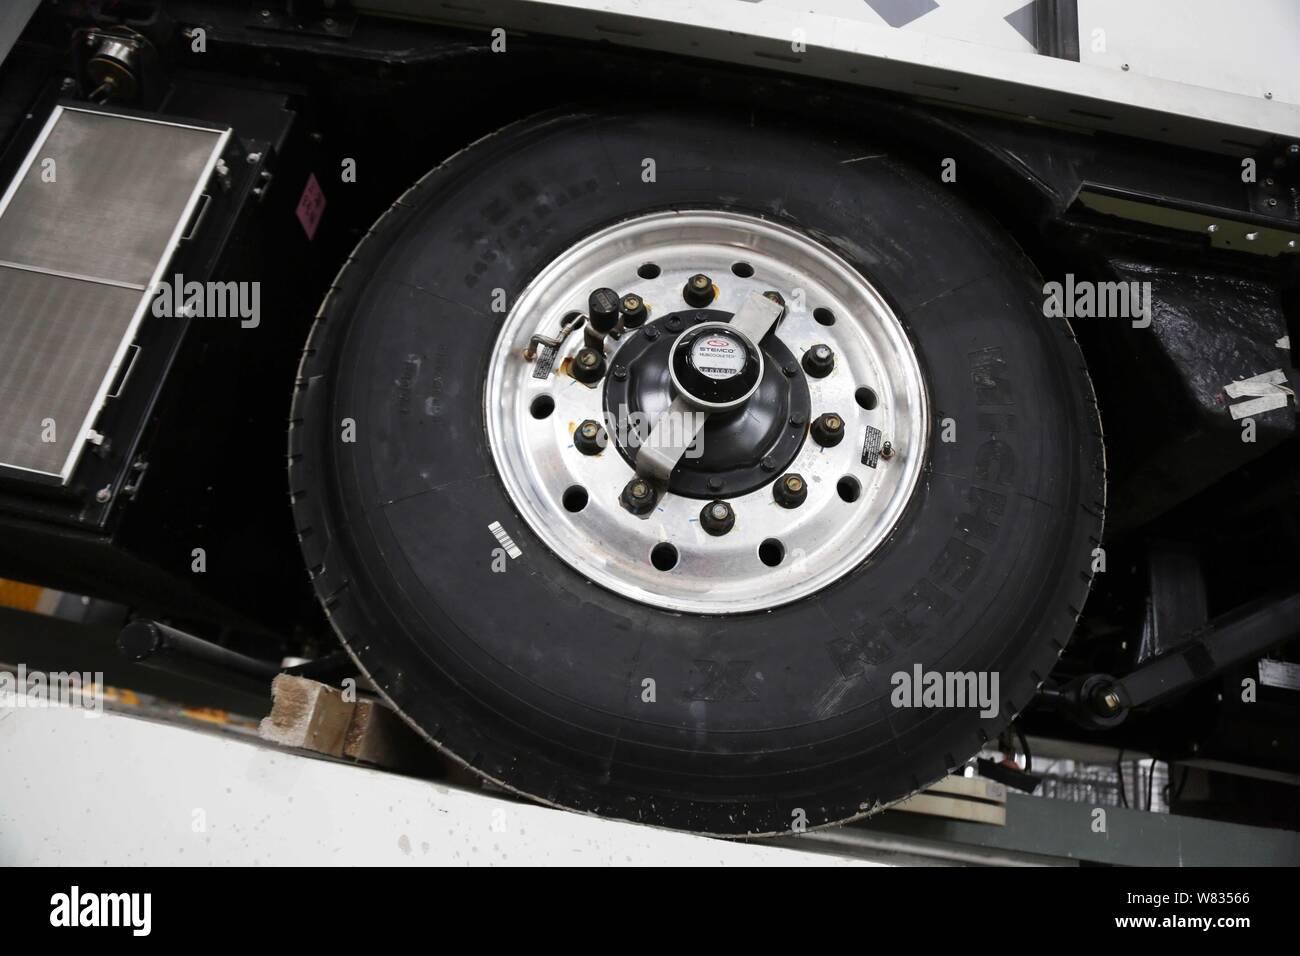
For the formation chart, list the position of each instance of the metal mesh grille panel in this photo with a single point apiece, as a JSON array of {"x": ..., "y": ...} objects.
[
  {"x": 91, "y": 222},
  {"x": 54, "y": 333}
]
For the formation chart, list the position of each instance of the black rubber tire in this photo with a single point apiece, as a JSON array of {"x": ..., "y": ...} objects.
[{"x": 534, "y": 677}]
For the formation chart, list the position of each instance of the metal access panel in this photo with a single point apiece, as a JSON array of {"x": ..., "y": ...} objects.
[{"x": 87, "y": 229}]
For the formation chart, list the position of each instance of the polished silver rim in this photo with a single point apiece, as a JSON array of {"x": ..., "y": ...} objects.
[{"x": 773, "y": 555}]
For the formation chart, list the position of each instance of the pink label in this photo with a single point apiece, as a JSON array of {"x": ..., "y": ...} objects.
[{"x": 311, "y": 206}]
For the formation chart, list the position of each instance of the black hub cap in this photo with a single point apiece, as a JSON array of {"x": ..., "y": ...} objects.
[{"x": 738, "y": 450}]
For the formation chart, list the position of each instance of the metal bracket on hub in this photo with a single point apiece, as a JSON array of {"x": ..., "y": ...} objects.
[{"x": 678, "y": 426}]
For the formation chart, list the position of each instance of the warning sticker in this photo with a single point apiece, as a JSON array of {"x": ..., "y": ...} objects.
[
  {"x": 871, "y": 446},
  {"x": 311, "y": 206},
  {"x": 545, "y": 361}
]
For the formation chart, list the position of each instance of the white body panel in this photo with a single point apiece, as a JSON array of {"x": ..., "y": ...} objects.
[{"x": 1198, "y": 71}]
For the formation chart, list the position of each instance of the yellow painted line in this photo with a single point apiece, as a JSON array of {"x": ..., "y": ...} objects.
[{"x": 15, "y": 594}]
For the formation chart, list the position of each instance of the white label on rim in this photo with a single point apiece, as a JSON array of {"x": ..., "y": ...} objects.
[{"x": 718, "y": 356}]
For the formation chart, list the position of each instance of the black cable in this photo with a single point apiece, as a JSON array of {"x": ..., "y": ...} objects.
[
  {"x": 1119, "y": 771},
  {"x": 1151, "y": 775}
]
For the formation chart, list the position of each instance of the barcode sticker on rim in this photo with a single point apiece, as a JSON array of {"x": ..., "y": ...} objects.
[{"x": 506, "y": 541}]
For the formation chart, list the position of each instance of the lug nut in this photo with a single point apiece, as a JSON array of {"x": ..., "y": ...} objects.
[
  {"x": 828, "y": 430},
  {"x": 819, "y": 361},
  {"x": 638, "y": 496},
  {"x": 588, "y": 365},
  {"x": 717, "y": 518},
  {"x": 633, "y": 310},
  {"x": 589, "y": 438},
  {"x": 698, "y": 291},
  {"x": 790, "y": 490}
]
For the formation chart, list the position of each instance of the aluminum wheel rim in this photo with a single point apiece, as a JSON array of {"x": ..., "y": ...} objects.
[{"x": 820, "y": 541}]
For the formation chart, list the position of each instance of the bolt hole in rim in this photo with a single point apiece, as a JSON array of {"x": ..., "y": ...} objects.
[
  {"x": 771, "y": 552},
  {"x": 820, "y": 540},
  {"x": 575, "y": 498},
  {"x": 664, "y": 556}
]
